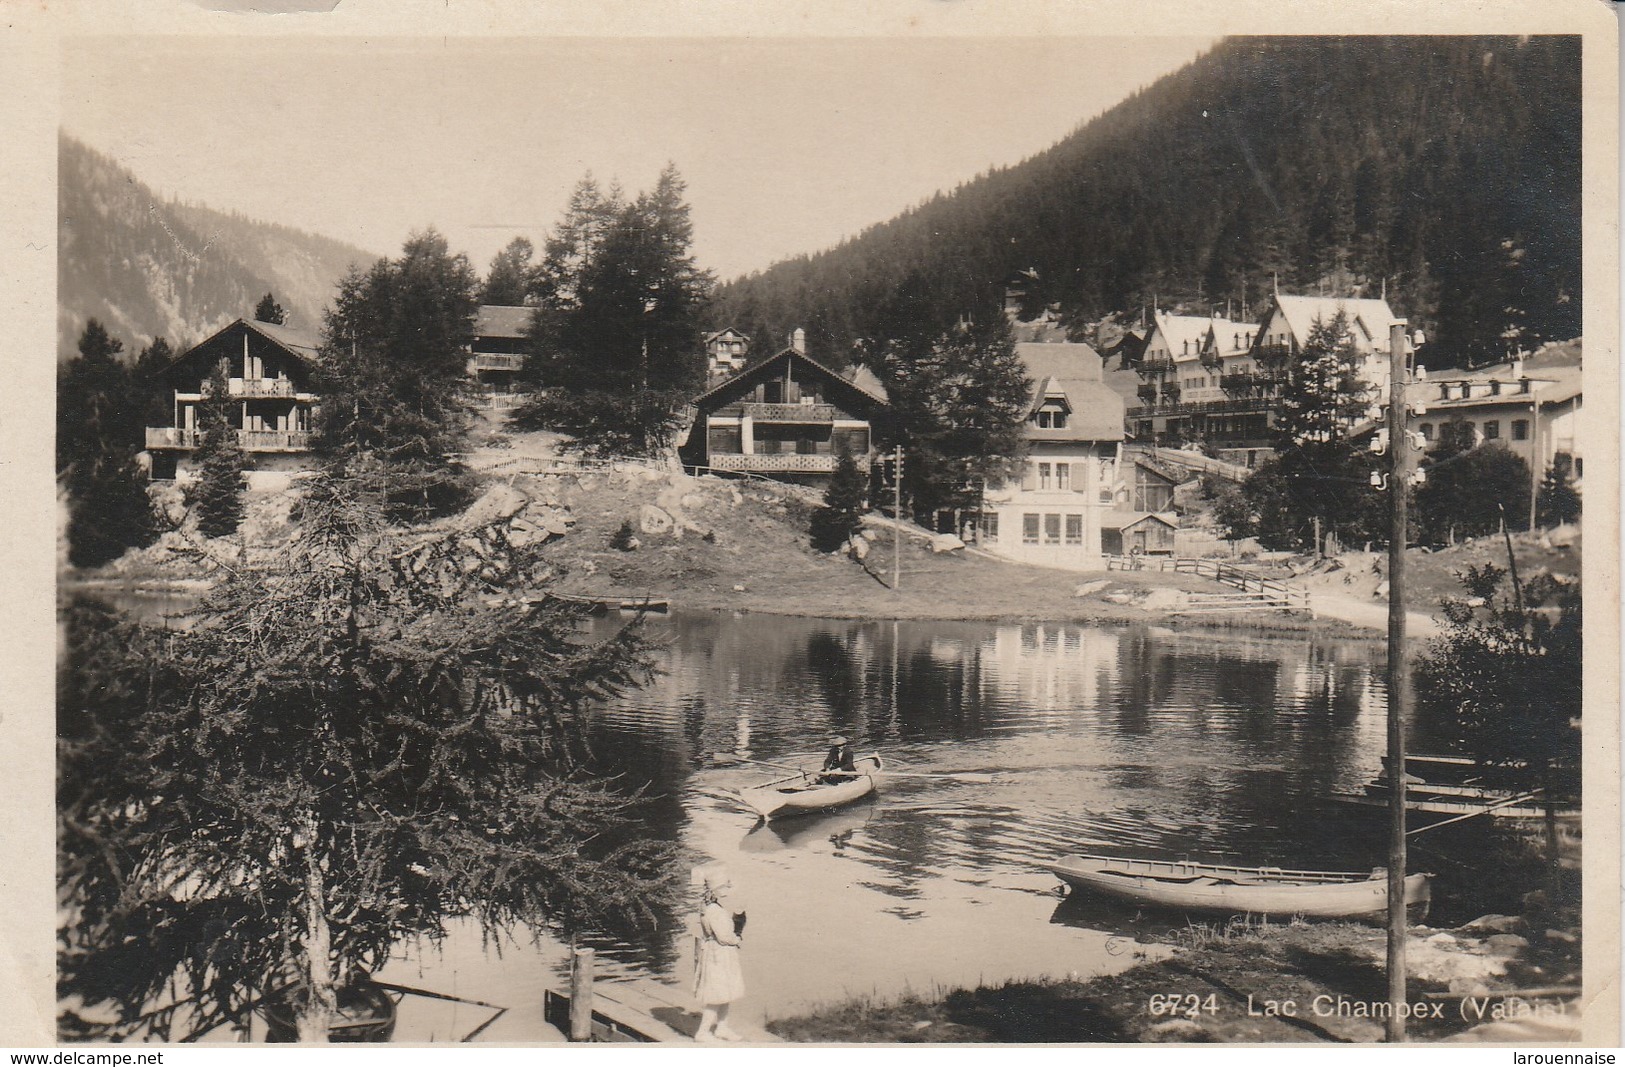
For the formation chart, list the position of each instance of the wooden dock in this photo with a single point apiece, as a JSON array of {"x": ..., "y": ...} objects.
[{"x": 643, "y": 1011}]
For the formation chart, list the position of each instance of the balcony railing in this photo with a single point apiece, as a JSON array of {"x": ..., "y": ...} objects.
[
  {"x": 250, "y": 440},
  {"x": 785, "y": 462},
  {"x": 1212, "y": 359},
  {"x": 1239, "y": 406},
  {"x": 1148, "y": 393},
  {"x": 790, "y": 412},
  {"x": 497, "y": 361},
  {"x": 1149, "y": 367},
  {"x": 249, "y": 387},
  {"x": 1235, "y": 383}
]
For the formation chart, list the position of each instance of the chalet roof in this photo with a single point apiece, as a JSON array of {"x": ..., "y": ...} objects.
[
  {"x": 1183, "y": 334},
  {"x": 1370, "y": 319},
  {"x": 502, "y": 320},
  {"x": 865, "y": 379},
  {"x": 1075, "y": 370},
  {"x": 301, "y": 344},
  {"x": 726, "y": 329},
  {"x": 1229, "y": 336},
  {"x": 1122, "y": 520},
  {"x": 874, "y": 391}
]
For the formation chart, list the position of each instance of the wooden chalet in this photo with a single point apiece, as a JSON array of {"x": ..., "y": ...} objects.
[
  {"x": 787, "y": 417},
  {"x": 498, "y": 349},
  {"x": 270, "y": 372}
]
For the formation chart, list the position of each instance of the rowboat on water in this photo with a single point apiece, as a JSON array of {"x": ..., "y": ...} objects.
[
  {"x": 813, "y": 791},
  {"x": 1208, "y": 887},
  {"x": 1526, "y": 809}
]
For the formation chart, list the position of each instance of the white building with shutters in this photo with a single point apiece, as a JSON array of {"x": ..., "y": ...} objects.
[{"x": 1073, "y": 474}]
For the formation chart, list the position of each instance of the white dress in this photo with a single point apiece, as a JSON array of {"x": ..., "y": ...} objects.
[{"x": 717, "y": 975}]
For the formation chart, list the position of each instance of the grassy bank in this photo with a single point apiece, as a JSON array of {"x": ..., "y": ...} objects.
[{"x": 1223, "y": 985}]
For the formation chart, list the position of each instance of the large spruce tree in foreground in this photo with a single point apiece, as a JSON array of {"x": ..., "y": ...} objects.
[
  {"x": 615, "y": 343},
  {"x": 357, "y": 741},
  {"x": 395, "y": 383}
]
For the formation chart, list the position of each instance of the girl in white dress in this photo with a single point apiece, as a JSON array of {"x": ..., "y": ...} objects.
[{"x": 718, "y": 980}]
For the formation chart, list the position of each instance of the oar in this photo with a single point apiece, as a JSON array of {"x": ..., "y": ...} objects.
[
  {"x": 723, "y": 757},
  {"x": 963, "y": 776}
]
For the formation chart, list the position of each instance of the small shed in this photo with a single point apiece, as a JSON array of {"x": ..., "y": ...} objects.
[{"x": 1146, "y": 533}]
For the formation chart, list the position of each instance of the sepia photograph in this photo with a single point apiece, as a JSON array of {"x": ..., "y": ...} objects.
[{"x": 760, "y": 539}]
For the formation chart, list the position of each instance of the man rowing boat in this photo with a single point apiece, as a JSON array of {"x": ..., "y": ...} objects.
[{"x": 839, "y": 759}]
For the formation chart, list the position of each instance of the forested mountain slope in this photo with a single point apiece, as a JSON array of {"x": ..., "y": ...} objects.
[
  {"x": 1447, "y": 166},
  {"x": 150, "y": 267}
]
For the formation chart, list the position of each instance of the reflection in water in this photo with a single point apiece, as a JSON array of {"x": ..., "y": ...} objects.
[
  {"x": 1116, "y": 740},
  {"x": 1125, "y": 740}
]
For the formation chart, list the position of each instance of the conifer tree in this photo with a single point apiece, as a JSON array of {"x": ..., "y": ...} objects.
[
  {"x": 512, "y": 278},
  {"x": 268, "y": 310},
  {"x": 98, "y": 433},
  {"x": 358, "y": 742},
  {"x": 959, "y": 402},
  {"x": 217, "y": 495},
  {"x": 1317, "y": 473},
  {"x": 1559, "y": 501},
  {"x": 845, "y": 501},
  {"x": 397, "y": 402},
  {"x": 615, "y": 343}
]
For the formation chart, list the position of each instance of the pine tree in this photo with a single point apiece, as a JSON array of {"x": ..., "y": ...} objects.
[
  {"x": 396, "y": 395},
  {"x": 359, "y": 742},
  {"x": 615, "y": 342},
  {"x": 268, "y": 310},
  {"x": 845, "y": 501},
  {"x": 217, "y": 495},
  {"x": 147, "y": 379},
  {"x": 1317, "y": 472},
  {"x": 512, "y": 278},
  {"x": 1559, "y": 501},
  {"x": 98, "y": 433},
  {"x": 959, "y": 402}
]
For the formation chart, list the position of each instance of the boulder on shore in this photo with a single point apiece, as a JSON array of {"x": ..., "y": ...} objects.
[{"x": 946, "y": 543}]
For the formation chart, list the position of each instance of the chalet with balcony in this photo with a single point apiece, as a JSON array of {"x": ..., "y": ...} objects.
[
  {"x": 725, "y": 352},
  {"x": 269, "y": 372},
  {"x": 1186, "y": 357},
  {"x": 787, "y": 417},
  {"x": 498, "y": 351},
  {"x": 1290, "y": 320},
  {"x": 1052, "y": 512}
]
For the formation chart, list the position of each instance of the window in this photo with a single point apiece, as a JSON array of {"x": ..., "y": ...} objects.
[
  {"x": 1042, "y": 418},
  {"x": 1043, "y": 476},
  {"x": 1427, "y": 431},
  {"x": 1058, "y": 420},
  {"x": 1472, "y": 430},
  {"x": 1492, "y": 430},
  {"x": 1052, "y": 529},
  {"x": 1520, "y": 429},
  {"x": 1063, "y": 476},
  {"x": 1074, "y": 529},
  {"x": 990, "y": 527},
  {"x": 1029, "y": 529}
]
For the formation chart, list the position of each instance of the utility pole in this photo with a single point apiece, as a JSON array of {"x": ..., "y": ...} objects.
[
  {"x": 1399, "y": 444},
  {"x": 1534, "y": 454},
  {"x": 897, "y": 520}
]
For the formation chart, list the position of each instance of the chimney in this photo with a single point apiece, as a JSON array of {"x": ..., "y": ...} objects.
[{"x": 798, "y": 340}]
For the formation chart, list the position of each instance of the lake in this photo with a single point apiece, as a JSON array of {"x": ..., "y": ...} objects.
[{"x": 1133, "y": 740}]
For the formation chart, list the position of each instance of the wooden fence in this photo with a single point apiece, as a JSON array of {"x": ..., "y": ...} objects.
[{"x": 1254, "y": 590}]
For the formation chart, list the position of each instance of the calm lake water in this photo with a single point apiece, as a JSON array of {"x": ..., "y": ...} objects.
[{"x": 1122, "y": 740}]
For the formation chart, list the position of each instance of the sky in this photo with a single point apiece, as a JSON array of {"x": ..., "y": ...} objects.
[{"x": 787, "y": 145}]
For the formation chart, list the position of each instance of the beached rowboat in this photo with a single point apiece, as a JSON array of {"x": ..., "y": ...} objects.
[
  {"x": 1207, "y": 887},
  {"x": 806, "y": 791}
]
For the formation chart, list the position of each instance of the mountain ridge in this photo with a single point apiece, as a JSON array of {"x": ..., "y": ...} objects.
[{"x": 148, "y": 266}]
